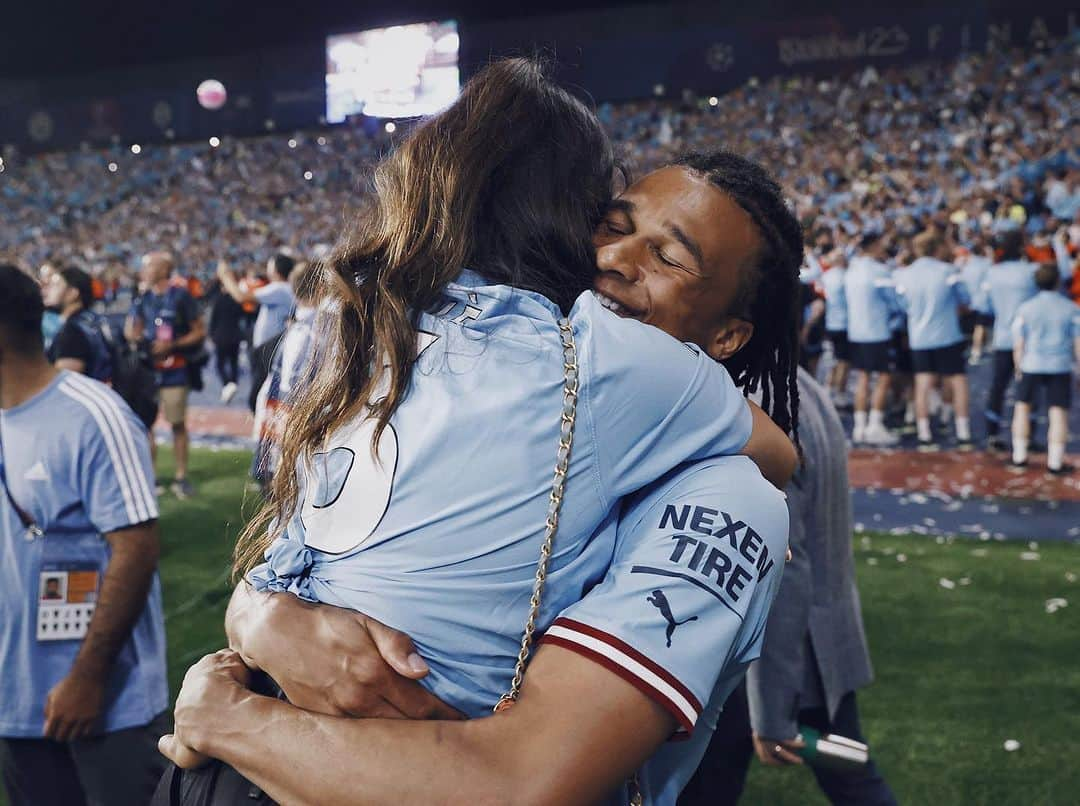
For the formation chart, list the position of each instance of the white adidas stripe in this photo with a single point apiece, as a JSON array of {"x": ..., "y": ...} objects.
[
  {"x": 110, "y": 444},
  {"x": 139, "y": 502},
  {"x": 122, "y": 423},
  {"x": 634, "y": 667},
  {"x": 140, "y": 485}
]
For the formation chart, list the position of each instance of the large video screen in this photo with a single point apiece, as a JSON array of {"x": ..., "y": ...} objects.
[{"x": 397, "y": 72}]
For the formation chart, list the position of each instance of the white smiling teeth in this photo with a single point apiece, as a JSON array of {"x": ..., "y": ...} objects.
[{"x": 609, "y": 303}]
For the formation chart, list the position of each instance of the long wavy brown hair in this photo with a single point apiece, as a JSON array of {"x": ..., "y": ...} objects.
[{"x": 510, "y": 181}]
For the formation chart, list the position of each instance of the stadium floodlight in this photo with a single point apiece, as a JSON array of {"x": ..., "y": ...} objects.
[
  {"x": 214, "y": 142},
  {"x": 713, "y": 100}
]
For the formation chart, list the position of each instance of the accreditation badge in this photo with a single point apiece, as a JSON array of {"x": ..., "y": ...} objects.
[{"x": 67, "y": 595}]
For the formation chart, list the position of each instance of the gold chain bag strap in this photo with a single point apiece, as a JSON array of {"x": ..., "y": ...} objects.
[{"x": 558, "y": 486}]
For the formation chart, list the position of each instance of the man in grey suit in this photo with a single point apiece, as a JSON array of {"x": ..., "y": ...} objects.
[{"x": 815, "y": 655}]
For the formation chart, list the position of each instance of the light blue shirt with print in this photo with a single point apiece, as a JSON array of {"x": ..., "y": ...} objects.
[
  {"x": 871, "y": 300},
  {"x": 931, "y": 292},
  {"x": 836, "y": 312},
  {"x": 77, "y": 461},
  {"x": 1049, "y": 325},
  {"x": 681, "y": 611},
  {"x": 1007, "y": 286},
  {"x": 440, "y": 537}
]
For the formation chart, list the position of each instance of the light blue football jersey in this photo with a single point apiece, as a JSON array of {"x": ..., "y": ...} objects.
[
  {"x": 682, "y": 611},
  {"x": 974, "y": 273},
  {"x": 871, "y": 300},
  {"x": 836, "y": 312},
  {"x": 441, "y": 536},
  {"x": 931, "y": 292},
  {"x": 1007, "y": 286},
  {"x": 78, "y": 462},
  {"x": 1049, "y": 325}
]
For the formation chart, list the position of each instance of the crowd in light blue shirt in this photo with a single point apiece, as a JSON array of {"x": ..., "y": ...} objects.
[
  {"x": 1048, "y": 324},
  {"x": 871, "y": 300},
  {"x": 1008, "y": 285},
  {"x": 931, "y": 293},
  {"x": 276, "y": 302},
  {"x": 836, "y": 311},
  {"x": 974, "y": 274}
]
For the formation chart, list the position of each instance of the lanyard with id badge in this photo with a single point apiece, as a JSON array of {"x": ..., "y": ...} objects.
[{"x": 66, "y": 590}]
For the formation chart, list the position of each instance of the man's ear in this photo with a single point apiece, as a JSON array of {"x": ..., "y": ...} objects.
[{"x": 729, "y": 338}]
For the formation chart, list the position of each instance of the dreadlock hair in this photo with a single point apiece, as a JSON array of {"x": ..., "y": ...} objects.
[{"x": 769, "y": 292}]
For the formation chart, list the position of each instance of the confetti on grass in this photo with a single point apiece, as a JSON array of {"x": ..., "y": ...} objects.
[{"x": 1055, "y": 604}]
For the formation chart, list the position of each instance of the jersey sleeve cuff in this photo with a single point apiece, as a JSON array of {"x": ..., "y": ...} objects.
[{"x": 645, "y": 675}]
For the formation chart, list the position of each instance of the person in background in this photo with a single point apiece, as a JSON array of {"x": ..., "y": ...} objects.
[
  {"x": 973, "y": 271},
  {"x": 291, "y": 365},
  {"x": 1009, "y": 283},
  {"x": 871, "y": 303},
  {"x": 50, "y": 321},
  {"x": 275, "y": 301},
  {"x": 249, "y": 282},
  {"x": 226, "y": 331},
  {"x": 82, "y": 343},
  {"x": 836, "y": 325},
  {"x": 1046, "y": 334},
  {"x": 80, "y": 712},
  {"x": 167, "y": 318},
  {"x": 812, "y": 333},
  {"x": 932, "y": 292},
  {"x": 815, "y": 655}
]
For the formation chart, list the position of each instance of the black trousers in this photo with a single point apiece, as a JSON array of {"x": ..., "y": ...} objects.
[
  {"x": 228, "y": 362},
  {"x": 999, "y": 385},
  {"x": 115, "y": 769},
  {"x": 720, "y": 778}
]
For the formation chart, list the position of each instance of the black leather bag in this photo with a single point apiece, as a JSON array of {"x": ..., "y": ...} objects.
[{"x": 216, "y": 784}]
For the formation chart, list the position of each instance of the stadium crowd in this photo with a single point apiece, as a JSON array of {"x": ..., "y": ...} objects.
[{"x": 972, "y": 150}]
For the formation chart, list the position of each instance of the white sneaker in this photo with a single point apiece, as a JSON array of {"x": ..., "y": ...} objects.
[
  {"x": 228, "y": 392},
  {"x": 858, "y": 435},
  {"x": 880, "y": 436}
]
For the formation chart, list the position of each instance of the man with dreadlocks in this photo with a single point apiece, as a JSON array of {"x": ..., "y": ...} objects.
[{"x": 707, "y": 250}]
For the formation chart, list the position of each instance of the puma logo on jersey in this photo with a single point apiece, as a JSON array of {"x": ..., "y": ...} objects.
[{"x": 660, "y": 602}]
